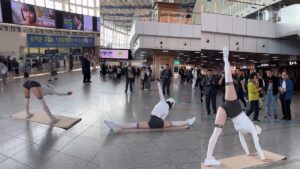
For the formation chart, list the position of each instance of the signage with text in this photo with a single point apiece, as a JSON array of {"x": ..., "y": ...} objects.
[{"x": 59, "y": 41}]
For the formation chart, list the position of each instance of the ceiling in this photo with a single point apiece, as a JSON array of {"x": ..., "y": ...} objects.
[{"x": 123, "y": 12}]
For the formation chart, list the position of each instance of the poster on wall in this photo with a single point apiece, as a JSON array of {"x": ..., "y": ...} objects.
[
  {"x": 73, "y": 21},
  {"x": 113, "y": 54},
  {"x": 26, "y": 14},
  {"x": 98, "y": 24},
  {"x": 1, "y": 20},
  {"x": 88, "y": 23}
]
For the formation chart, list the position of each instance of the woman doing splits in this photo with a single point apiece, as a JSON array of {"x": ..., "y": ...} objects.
[
  {"x": 157, "y": 118},
  {"x": 231, "y": 108},
  {"x": 39, "y": 91}
]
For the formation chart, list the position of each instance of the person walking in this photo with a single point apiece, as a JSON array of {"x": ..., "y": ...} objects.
[
  {"x": 3, "y": 71},
  {"x": 195, "y": 76},
  {"x": 166, "y": 76},
  {"x": 209, "y": 84},
  {"x": 253, "y": 96},
  {"x": 272, "y": 95},
  {"x": 286, "y": 94}
]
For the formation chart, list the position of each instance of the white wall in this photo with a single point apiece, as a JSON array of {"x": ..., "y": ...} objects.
[
  {"x": 290, "y": 22},
  {"x": 12, "y": 41}
]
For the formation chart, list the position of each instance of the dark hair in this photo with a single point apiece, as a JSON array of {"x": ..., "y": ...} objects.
[
  {"x": 170, "y": 104},
  {"x": 252, "y": 75},
  {"x": 209, "y": 70},
  {"x": 30, "y": 9},
  {"x": 238, "y": 69}
]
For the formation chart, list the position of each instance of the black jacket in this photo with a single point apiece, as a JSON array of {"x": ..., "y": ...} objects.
[
  {"x": 210, "y": 86},
  {"x": 276, "y": 84},
  {"x": 86, "y": 65}
]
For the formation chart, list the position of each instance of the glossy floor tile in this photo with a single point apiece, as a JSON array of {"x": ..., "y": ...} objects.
[{"x": 91, "y": 145}]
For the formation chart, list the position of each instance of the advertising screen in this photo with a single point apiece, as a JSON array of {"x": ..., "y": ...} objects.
[
  {"x": 26, "y": 14},
  {"x": 1, "y": 20},
  {"x": 98, "y": 24},
  {"x": 73, "y": 21},
  {"x": 88, "y": 23},
  {"x": 113, "y": 54}
]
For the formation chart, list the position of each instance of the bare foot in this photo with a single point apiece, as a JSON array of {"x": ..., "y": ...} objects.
[
  {"x": 29, "y": 115},
  {"x": 267, "y": 160}
]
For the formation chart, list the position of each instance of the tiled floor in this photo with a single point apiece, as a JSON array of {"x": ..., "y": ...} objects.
[{"x": 90, "y": 145}]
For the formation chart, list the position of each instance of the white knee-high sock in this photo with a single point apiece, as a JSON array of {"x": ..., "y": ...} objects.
[
  {"x": 179, "y": 123},
  {"x": 127, "y": 125},
  {"x": 227, "y": 68},
  {"x": 46, "y": 108},
  {"x": 212, "y": 142},
  {"x": 27, "y": 105}
]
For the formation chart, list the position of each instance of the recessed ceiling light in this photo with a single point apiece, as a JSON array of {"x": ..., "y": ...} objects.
[
  {"x": 197, "y": 57},
  {"x": 204, "y": 61},
  {"x": 274, "y": 57},
  {"x": 196, "y": 52},
  {"x": 165, "y": 51},
  {"x": 218, "y": 59},
  {"x": 204, "y": 56},
  {"x": 242, "y": 58},
  {"x": 143, "y": 52},
  {"x": 221, "y": 52},
  {"x": 266, "y": 54},
  {"x": 236, "y": 56},
  {"x": 181, "y": 53}
]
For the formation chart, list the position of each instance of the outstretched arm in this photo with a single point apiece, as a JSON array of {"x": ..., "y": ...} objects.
[
  {"x": 61, "y": 93},
  {"x": 51, "y": 91},
  {"x": 161, "y": 95},
  {"x": 243, "y": 142}
]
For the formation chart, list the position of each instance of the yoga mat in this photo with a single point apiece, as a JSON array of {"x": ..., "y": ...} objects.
[
  {"x": 42, "y": 118},
  {"x": 151, "y": 130},
  {"x": 244, "y": 161}
]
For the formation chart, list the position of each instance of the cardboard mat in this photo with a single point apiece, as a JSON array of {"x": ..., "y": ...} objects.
[
  {"x": 244, "y": 161},
  {"x": 42, "y": 118},
  {"x": 147, "y": 130}
]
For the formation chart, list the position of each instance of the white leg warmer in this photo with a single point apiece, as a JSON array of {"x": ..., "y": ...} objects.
[{"x": 212, "y": 142}]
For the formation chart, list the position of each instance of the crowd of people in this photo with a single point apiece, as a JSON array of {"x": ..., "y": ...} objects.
[
  {"x": 256, "y": 91},
  {"x": 8, "y": 68}
]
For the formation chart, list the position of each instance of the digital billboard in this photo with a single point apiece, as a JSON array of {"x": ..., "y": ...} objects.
[
  {"x": 98, "y": 24},
  {"x": 1, "y": 20},
  {"x": 113, "y": 54},
  {"x": 73, "y": 21},
  {"x": 88, "y": 23},
  {"x": 26, "y": 14}
]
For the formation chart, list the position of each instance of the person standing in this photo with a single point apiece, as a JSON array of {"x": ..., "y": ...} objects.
[
  {"x": 209, "y": 84},
  {"x": 240, "y": 89},
  {"x": 166, "y": 76},
  {"x": 71, "y": 60},
  {"x": 3, "y": 71},
  {"x": 253, "y": 96},
  {"x": 142, "y": 77},
  {"x": 195, "y": 76},
  {"x": 149, "y": 76},
  {"x": 129, "y": 77},
  {"x": 86, "y": 69},
  {"x": 286, "y": 94},
  {"x": 272, "y": 94},
  {"x": 27, "y": 69}
]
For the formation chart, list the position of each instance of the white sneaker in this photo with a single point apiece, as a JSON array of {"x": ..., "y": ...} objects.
[
  {"x": 211, "y": 162},
  {"x": 112, "y": 126},
  {"x": 191, "y": 121}
]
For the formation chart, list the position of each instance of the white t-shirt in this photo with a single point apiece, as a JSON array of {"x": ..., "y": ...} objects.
[
  {"x": 283, "y": 85},
  {"x": 161, "y": 109}
]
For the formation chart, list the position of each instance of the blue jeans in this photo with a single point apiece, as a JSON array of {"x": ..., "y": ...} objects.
[{"x": 271, "y": 104}]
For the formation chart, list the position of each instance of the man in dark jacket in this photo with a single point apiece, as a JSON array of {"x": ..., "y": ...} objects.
[
  {"x": 166, "y": 76},
  {"x": 129, "y": 77},
  {"x": 209, "y": 84},
  {"x": 286, "y": 95},
  {"x": 272, "y": 94},
  {"x": 86, "y": 69}
]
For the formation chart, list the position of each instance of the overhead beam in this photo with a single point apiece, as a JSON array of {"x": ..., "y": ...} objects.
[
  {"x": 249, "y": 3},
  {"x": 125, "y": 7}
]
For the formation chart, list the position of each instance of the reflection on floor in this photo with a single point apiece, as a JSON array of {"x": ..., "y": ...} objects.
[{"x": 90, "y": 145}]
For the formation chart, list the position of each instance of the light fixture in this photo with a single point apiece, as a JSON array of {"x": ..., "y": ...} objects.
[
  {"x": 221, "y": 52},
  {"x": 143, "y": 52},
  {"x": 275, "y": 57},
  {"x": 197, "y": 57},
  {"x": 204, "y": 56},
  {"x": 218, "y": 59},
  {"x": 196, "y": 52},
  {"x": 242, "y": 58},
  {"x": 204, "y": 61},
  {"x": 165, "y": 51},
  {"x": 181, "y": 53},
  {"x": 236, "y": 56}
]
